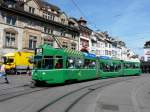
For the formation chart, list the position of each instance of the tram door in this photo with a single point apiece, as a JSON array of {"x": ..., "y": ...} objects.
[
  {"x": 71, "y": 69},
  {"x": 97, "y": 69}
]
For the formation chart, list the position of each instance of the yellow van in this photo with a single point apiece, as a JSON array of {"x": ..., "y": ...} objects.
[{"x": 18, "y": 61}]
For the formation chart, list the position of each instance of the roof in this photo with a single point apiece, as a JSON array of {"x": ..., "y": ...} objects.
[
  {"x": 46, "y": 4},
  {"x": 9, "y": 54}
]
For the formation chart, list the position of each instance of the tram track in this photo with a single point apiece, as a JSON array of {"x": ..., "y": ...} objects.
[
  {"x": 14, "y": 94},
  {"x": 20, "y": 86},
  {"x": 86, "y": 90}
]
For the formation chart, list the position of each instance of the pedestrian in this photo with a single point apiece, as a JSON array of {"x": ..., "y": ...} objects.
[
  {"x": 28, "y": 71},
  {"x": 3, "y": 73}
]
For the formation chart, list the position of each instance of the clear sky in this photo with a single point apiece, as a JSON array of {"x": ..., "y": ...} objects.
[{"x": 128, "y": 20}]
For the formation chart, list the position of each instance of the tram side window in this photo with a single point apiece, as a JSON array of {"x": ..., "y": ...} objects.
[
  {"x": 131, "y": 65},
  {"x": 116, "y": 67},
  {"x": 127, "y": 65},
  {"x": 89, "y": 64},
  {"x": 92, "y": 64},
  {"x": 59, "y": 62},
  {"x": 70, "y": 63},
  {"x": 48, "y": 62},
  {"x": 101, "y": 66},
  {"x": 119, "y": 67},
  {"x": 78, "y": 63},
  {"x": 110, "y": 67},
  {"x": 86, "y": 63},
  {"x": 38, "y": 64},
  {"x": 105, "y": 67},
  {"x": 137, "y": 65}
]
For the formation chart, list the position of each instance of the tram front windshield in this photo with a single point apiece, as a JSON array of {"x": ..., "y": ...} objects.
[{"x": 45, "y": 62}]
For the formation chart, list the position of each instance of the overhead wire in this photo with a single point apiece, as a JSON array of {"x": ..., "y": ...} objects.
[{"x": 84, "y": 16}]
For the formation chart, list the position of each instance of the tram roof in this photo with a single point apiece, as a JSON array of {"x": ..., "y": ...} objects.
[
  {"x": 48, "y": 50},
  {"x": 104, "y": 57},
  {"x": 73, "y": 52},
  {"x": 89, "y": 55},
  {"x": 135, "y": 60}
]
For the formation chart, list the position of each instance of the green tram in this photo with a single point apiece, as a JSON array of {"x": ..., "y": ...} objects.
[{"x": 54, "y": 66}]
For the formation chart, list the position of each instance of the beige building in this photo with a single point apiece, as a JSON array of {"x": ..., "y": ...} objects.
[
  {"x": 85, "y": 35},
  {"x": 25, "y": 24},
  {"x": 102, "y": 44}
]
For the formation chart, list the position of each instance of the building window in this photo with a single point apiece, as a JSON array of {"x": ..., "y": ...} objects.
[
  {"x": 48, "y": 30},
  {"x": 62, "y": 34},
  {"x": 32, "y": 42},
  {"x": 49, "y": 41},
  {"x": 65, "y": 45},
  {"x": 84, "y": 43},
  {"x": 106, "y": 44},
  {"x": 73, "y": 46},
  {"x": 10, "y": 20},
  {"x": 45, "y": 15},
  {"x": 109, "y": 45},
  {"x": 148, "y": 58},
  {"x": 31, "y": 10},
  {"x": 10, "y": 39},
  {"x": 63, "y": 21},
  {"x": 31, "y": 23},
  {"x": 73, "y": 36},
  {"x": 48, "y": 16},
  {"x": 109, "y": 53},
  {"x": 106, "y": 52}
]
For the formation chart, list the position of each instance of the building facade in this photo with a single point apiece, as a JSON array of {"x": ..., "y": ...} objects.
[
  {"x": 147, "y": 51},
  {"x": 97, "y": 45},
  {"x": 27, "y": 24},
  {"x": 102, "y": 44},
  {"x": 85, "y": 35}
]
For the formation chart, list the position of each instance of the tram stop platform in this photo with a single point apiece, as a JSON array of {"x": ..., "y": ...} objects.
[{"x": 128, "y": 96}]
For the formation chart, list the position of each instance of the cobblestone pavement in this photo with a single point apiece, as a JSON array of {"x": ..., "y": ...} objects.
[
  {"x": 15, "y": 81},
  {"x": 127, "y": 96}
]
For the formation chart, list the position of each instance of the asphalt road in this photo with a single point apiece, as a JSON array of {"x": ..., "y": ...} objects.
[{"x": 124, "y": 94}]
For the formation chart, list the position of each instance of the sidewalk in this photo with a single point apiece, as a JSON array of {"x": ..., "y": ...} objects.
[
  {"x": 15, "y": 80},
  {"x": 128, "y": 96}
]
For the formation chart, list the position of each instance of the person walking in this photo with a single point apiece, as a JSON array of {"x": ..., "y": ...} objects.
[{"x": 3, "y": 72}]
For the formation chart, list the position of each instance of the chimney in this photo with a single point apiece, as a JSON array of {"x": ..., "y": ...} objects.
[{"x": 81, "y": 21}]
